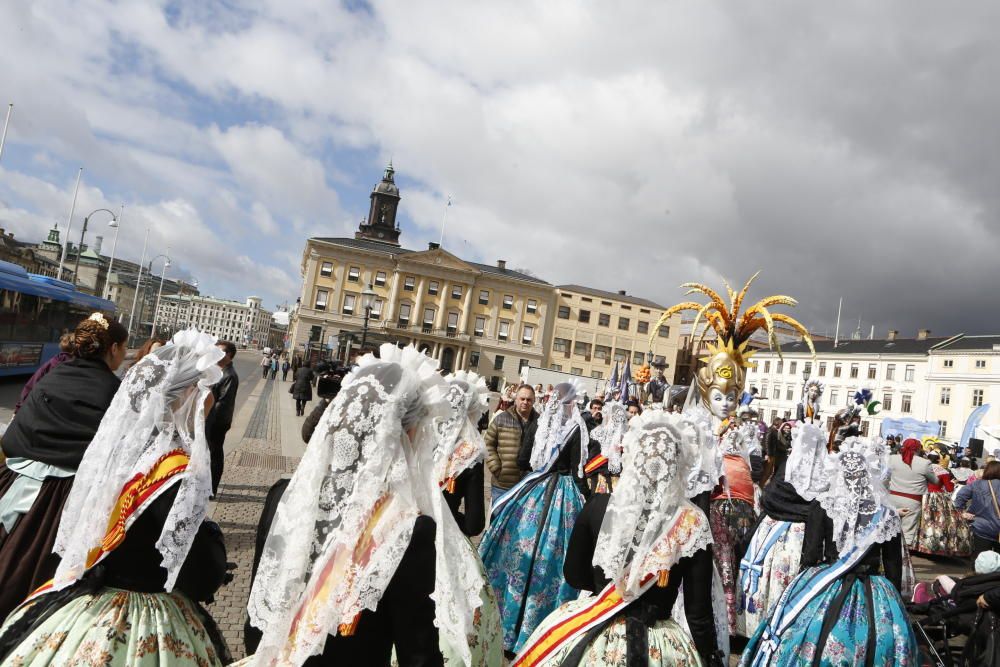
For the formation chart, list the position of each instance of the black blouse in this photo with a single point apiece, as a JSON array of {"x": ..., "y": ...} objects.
[
  {"x": 695, "y": 572},
  {"x": 818, "y": 547},
  {"x": 469, "y": 487}
]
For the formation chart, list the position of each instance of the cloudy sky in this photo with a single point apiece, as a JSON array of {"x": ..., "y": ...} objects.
[{"x": 846, "y": 149}]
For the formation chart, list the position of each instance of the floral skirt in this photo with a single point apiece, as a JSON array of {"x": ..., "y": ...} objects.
[
  {"x": 732, "y": 524},
  {"x": 523, "y": 551},
  {"x": 780, "y": 565},
  {"x": 857, "y": 629},
  {"x": 668, "y": 643},
  {"x": 943, "y": 531},
  {"x": 116, "y": 627}
]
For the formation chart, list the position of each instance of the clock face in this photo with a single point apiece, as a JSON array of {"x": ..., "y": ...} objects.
[{"x": 381, "y": 235}]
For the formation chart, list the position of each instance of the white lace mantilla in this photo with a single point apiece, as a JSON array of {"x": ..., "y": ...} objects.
[
  {"x": 809, "y": 468},
  {"x": 611, "y": 432}
]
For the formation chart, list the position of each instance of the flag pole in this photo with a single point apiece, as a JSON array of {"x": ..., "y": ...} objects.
[
  {"x": 836, "y": 336},
  {"x": 6, "y": 124},
  {"x": 69, "y": 224},
  {"x": 444, "y": 220}
]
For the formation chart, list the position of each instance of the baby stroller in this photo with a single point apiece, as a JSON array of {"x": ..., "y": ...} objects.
[{"x": 941, "y": 622}]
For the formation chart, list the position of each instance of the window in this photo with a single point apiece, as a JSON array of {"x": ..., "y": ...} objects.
[
  {"x": 626, "y": 307},
  {"x": 777, "y": 392},
  {"x": 456, "y": 292},
  {"x": 909, "y": 373},
  {"x": 792, "y": 365},
  {"x": 603, "y": 320},
  {"x": 584, "y": 316},
  {"x": 380, "y": 279},
  {"x": 428, "y": 320},
  {"x": 767, "y": 366},
  {"x": 949, "y": 363},
  {"x": 977, "y": 398},
  {"x": 587, "y": 299},
  {"x": 623, "y": 323},
  {"x": 484, "y": 297},
  {"x": 854, "y": 371},
  {"x": 561, "y": 345},
  {"x": 353, "y": 274},
  {"x": 563, "y": 312},
  {"x": 452, "y": 324},
  {"x": 480, "y": 326},
  {"x": 349, "y": 300},
  {"x": 498, "y": 363},
  {"x": 664, "y": 331},
  {"x": 602, "y": 352},
  {"x": 945, "y": 395},
  {"x": 473, "y": 359},
  {"x": 872, "y": 370},
  {"x": 532, "y": 306},
  {"x": 779, "y": 367},
  {"x": 620, "y": 354},
  {"x": 504, "y": 332},
  {"x": 581, "y": 349},
  {"x": 789, "y": 393},
  {"x": 836, "y": 370},
  {"x": 326, "y": 269},
  {"x": 642, "y": 327},
  {"x": 605, "y": 303},
  {"x": 890, "y": 372},
  {"x": 597, "y": 375},
  {"x": 942, "y": 428},
  {"x": 638, "y": 358},
  {"x": 576, "y": 371},
  {"x": 822, "y": 369},
  {"x": 980, "y": 363},
  {"x": 322, "y": 296},
  {"x": 433, "y": 287},
  {"x": 521, "y": 364},
  {"x": 508, "y": 302},
  {"x": 833, "y": 397},
  {"x": 906, "y": 404},
  {"x": 408, "y": 283},
  {"x": 555, "y": 367},
  {"x": 527, "y": 334},
  {"x": 887, "y": 401}
]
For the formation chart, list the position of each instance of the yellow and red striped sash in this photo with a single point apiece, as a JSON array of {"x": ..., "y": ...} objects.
[{"x": 595, "y": 463}]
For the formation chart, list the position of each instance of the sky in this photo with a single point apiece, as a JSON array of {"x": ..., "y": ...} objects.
[{"x": 846, "y": 150}]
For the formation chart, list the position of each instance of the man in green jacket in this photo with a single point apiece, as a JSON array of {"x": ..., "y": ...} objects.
[{"x": 504, "y": 437}]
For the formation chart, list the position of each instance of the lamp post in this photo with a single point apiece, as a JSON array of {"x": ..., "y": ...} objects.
[
  {"x": 79, "y": 247},
  {"x": 114, "y": 224},
  {"x": 177, "y": 310},
  {"x": 163, "y": 272},
  {"x": 367, "y": 297},
  {"x": 138, "y": 283}
]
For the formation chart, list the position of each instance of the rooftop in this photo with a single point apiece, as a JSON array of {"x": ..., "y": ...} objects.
[
  {"x": 962, "y": 342},
  {"x": 617, "y": 296},
  {"x": 865, "y": 346}
]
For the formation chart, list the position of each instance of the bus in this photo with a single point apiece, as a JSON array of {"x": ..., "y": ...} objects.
[{"x": 34, "y": 312}]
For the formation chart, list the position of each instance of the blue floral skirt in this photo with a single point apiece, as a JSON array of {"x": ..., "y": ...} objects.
[
  {"x": 523, "y": 552},
  {"x": 871, "y": 617}
]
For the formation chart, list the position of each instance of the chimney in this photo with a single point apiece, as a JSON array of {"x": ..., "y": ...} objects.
[
  {"x": 98, "y": 242},
  {"x": 892, "y": 334},
  {"x": 621, "y": 292},
  {"x": 922, "y": 334},
  {"x": 433, "y": 246},
  {"x": 502, "y": 264}
]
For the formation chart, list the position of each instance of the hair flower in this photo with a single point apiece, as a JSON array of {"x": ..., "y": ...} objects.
[{"x": 100, "y": 319}]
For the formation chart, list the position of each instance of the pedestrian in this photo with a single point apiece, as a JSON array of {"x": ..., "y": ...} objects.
[
  {"x": 943, "y": 531},
  {"x": 220, "y": 417},
  {"x": 637, "y": 550},
  {"x": 505, "y": 436},
  {"x": 301, "y": 389},
  {"x": 771, "y": 443},
  {"x": 65, "y": 354},
  {"x": 978, "y": 501},
  {"x": 604, "y": 463},
  {"x": 265, "y": 366},
  {"x": 285, "y": 366},
  {"x": 910, "y": 475},
  {"x": 525, "y": 544},
  {"x": 146, "y": 348},
  {"x": 348, "y": 568},
  {"x": 633, "y": 407},
  {"x": 594, "y": 414},
  {"x": 274, "y": 366},
  {"x": 44, "y": 444},
  {"x": 137, "y": 553}
]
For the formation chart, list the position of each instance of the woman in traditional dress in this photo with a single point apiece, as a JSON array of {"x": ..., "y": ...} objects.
[
  {"x": 774, "y": 555},
  {"x": 349, "y": 570},
  {"x": 137, "y": 553},
  {"x": 943, "y": 531},
  {"x": 44, "y": 445},
  {"x": 637, "y": 550},
  {"x": 525, "y": 545},
  {"x": 911, "y": 474},
  {"x": 605, "y": 464},
  {"x": 842, "y": 610}
]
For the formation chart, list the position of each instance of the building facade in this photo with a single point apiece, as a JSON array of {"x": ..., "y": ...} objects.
[
  {"x": 246, "y": 324},
  {"x": 963, "y": 375}
]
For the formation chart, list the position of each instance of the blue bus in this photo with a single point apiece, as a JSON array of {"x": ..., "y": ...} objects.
[{"x": 34, "y": 312}]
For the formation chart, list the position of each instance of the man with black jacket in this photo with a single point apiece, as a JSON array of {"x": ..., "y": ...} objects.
[{"x": 220, "y": 417}]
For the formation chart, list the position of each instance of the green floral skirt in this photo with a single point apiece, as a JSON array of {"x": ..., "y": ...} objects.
[{"x": 117, "y": 627}]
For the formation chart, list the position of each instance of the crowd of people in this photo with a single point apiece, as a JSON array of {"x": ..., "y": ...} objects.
[{"x": 619, "y": 531}]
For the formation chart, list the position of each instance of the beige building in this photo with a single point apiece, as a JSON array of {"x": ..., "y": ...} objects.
[
  {"x": 593, "y": 329},
  {"x": 244, "y": 323}
]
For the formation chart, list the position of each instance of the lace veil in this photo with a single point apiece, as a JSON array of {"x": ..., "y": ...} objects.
[
  {"x": 555, "y": 426},
  {"x": 649, "y": 524},
  {"x": 705, "y": 474},
  {"x": 611, "y": 432},
  {"x": 347, "y": 516},
  {"x": 159, "y": 407},
  {"x": 858, "y": 502},
  {"x": 460, "y": 446},
  {"x": 809, "y": 468}
]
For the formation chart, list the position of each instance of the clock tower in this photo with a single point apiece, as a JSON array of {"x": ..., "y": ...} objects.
[{"x": 381, "y": 223}]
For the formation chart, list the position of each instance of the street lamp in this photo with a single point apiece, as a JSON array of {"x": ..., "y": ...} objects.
[
  {"x": 367, "y": 297},
  {"x": 163, "y": 272},
  {"x": 79, "y": 247},
  {"x": 114, "y": 224},
  {"x": 177, "y": 310}
]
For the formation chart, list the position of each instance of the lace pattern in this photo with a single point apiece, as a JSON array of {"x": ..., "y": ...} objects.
[
  {"x": 809, "y": 468},
  {"x": 159, "y": 407},
  {"x": 556, "y": 424},
  {"x": 611, "y": 432},
  {"x": 698, "y": 426}
]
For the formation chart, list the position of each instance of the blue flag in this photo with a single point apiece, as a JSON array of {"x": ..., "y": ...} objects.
[{"x": 972, "y": 423}]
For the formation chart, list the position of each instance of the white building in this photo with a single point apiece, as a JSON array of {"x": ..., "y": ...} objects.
[
  {"x": 964, "y": 374},
  {"x": 246, "y": 324}
]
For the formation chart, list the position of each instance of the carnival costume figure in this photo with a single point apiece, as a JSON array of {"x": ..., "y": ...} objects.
[
  {"x": 942, "y": 531},
  {"x": 842, "y": 610},
  {"x": 524, "y": 548},
  {"x": 774, "y": 555},
  {"x": 350, "y": 569},
  {"x": 137, "y": 554},
  {"x": 809, "y": 407},
  {"x": 637, "y": 550},
  {"x": 751, "y": 436},
  {"x": 605, "y": 464}
]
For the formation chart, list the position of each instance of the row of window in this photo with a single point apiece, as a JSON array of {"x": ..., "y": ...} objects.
[
  {"x": 977, "y": 396},
  {"x": 498, "y": 362},
  {"x": 604, "y": 320},
  {"x": 854, "y": 371},
  {"x": 607, "y": 304},
  {"x": 950, "y": 363},
  {"x": 791, "y": 393},
  {"x": 597, "y": 352}
]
